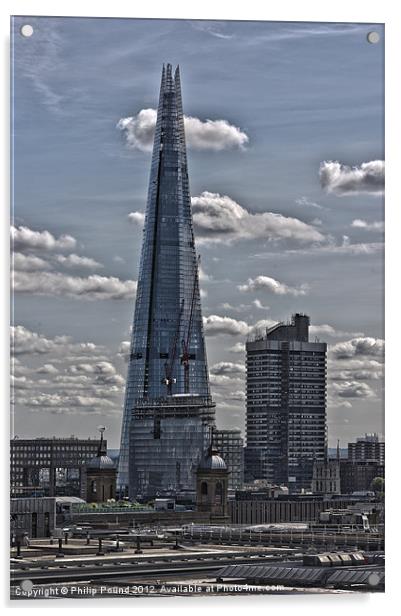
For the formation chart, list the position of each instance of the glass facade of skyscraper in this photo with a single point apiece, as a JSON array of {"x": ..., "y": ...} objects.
[{"x": 167, "y": 364}]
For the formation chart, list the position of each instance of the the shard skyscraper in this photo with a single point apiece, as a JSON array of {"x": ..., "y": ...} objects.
[{"x": 168, "y": 411}]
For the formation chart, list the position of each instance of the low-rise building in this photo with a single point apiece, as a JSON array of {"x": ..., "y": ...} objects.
[
  {"x": 260, "y": 490},
  {"x": 285, "y": 509},
  {"x": 99, "y": 476},
  {"x": 38, "y": 517},
  {"x": 212, "y": 486},
  {"x": 357, "y": 476},
  {"x": 326, "y": 477}
]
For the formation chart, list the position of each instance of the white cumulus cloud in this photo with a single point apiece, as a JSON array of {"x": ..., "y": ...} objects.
[
  {"x": 104, "y": 372},
  {"x": 258, "y": 304},
  {"x": 273, "y": 286},
  {"x": 25, "y": 341},
  {"x": 218, "y": 218},
  {"x": 345, "y": 248},
  {"x": 344, "y": 180},
  {"x": 351, "y": 369},
  {"x": 213, "y": 134},
  {"x": 329, "y": 330},
  {"x": 238, "y": 347},
  {"x": 29, "y": 262},
  {"x": 353, "y": 389},
  {"x": 137, "y": 218},
  {"x": 224, "y": 380},
  {"x": 358, "y": 346},
  {"x": 359, "y": 375},
  {"x": 368, "y": 226},
  {"x": 227, "y": 368},
  {"x": 124, "y": 350},
  {"x": 215, "y": 325},
  {"x": 57, "y": 284},
  {"x": 76, "y": 261},
  {"x": 200, "y": 135},
  {"x": 139, "y": 130},
  {"x": 56, "y": 401},
  {"x": 47, "y": 369},
  {"x": 23, "y": 238},
  {"x": 75, "y": 377}
]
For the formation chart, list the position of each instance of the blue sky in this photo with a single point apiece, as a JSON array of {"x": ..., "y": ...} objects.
[{"x": 295, "y": 231}]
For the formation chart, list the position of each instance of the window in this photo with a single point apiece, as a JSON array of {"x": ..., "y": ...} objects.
[
  {"x": 47, "y": 524},
  {"x": 218, "y": 494},
  {"x": 204, "y": 491},
  {"x": 34, "y": 525}
]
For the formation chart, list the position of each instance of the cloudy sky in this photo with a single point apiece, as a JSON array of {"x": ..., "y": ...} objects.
[{"x": 284, "y": 125}]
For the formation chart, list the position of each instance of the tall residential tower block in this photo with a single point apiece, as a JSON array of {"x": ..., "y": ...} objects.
[
  {"x": 286, "y": 405},
  {"x": 168, "y": 411}
]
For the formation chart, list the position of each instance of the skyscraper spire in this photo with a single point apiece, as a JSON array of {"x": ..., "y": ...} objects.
[{"x": 167, "y": 355}]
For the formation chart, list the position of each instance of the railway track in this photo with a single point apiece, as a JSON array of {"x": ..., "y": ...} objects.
[{"x": 95, "y": 569}]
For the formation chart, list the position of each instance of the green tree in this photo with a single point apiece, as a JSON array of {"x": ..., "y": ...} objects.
[{"x": 377, "y": 486}]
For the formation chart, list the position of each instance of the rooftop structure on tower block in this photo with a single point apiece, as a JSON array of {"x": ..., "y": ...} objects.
[
  {"x": 368, "y": 447},
  {"x": 286, "y": 405},
  {"x": 168, "y": 411}
]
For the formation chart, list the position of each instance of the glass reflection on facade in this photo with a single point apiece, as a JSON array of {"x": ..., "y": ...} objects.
[{"x": 167, "y": 365}]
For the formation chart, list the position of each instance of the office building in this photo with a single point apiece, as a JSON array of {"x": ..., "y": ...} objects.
[
  {"x": 49, "y": 466},
  {"x": 230, "y": 446}
]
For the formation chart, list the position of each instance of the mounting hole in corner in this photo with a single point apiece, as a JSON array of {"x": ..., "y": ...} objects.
[{"x": 26, "y": 30}]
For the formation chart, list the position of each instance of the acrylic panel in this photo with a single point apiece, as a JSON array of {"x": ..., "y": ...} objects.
[{"x": 197, "y": 326}]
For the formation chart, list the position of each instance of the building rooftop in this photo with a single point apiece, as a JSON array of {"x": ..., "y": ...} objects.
[
  {"x": 99, "y": 463},
  {"x": 212, "y": 462},
  {"x": 69, "y": 499},
  {"x": 297, "y": 329}
]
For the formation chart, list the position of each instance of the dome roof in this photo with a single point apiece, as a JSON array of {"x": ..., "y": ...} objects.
[
  {"x": 100, "y": 463},
  {"x": 212, "y": 462}
]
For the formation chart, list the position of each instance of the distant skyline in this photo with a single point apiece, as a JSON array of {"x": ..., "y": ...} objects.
[{"x": 284, "y": 129}]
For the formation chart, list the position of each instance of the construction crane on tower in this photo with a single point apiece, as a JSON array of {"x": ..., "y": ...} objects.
[
  {"x": 168, "y": 379},
  {"x": 185, "y": 342}
]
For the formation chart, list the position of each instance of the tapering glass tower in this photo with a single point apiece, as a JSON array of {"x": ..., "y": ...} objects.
[{"x": 168, "y": 411}]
